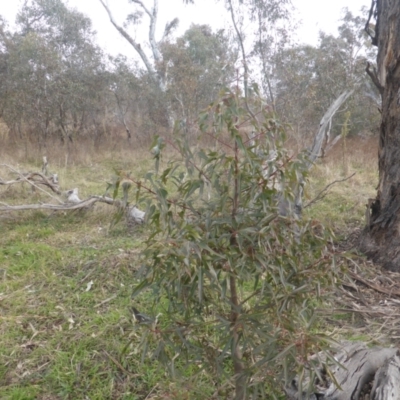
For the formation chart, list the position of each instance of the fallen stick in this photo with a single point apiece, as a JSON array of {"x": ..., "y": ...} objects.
[{"x": 60, "y": 207}]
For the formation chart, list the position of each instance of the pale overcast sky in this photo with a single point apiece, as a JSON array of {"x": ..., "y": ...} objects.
[{"x": 316, "y": 15}]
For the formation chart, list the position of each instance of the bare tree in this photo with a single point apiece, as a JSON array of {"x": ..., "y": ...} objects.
[
  {"x": 156, "y": 73},
  {"x": 154, "y": 66}
]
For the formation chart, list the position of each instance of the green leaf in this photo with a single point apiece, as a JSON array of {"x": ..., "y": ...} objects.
[{"x": 221, "y": 259}]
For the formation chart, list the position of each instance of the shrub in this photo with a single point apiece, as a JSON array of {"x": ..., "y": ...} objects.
[{"x": 237, "y": 281}]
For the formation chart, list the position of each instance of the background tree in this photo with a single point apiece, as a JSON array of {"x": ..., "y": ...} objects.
[
  {"x": 275, "y": 27},
  {"x": 126, "y": 87},
  {"x": 199, "y": 64},
  {"x": 54, "y": 75},
  {"x": 309, "y": 79},
  {"x": 268, "y": 14},
  {"x": 57, "y": 83},
  {"x": 157, "y": 75}
]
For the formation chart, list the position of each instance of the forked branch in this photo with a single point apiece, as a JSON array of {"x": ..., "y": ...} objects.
[{"x": 34, "y": 179}]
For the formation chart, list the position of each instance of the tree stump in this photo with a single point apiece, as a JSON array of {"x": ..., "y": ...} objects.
[{"x": 361, "y": 373}]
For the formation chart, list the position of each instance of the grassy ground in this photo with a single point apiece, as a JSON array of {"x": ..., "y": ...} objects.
[
  {"x": 65, "y": 295},
  {"x": 344, "y": 205},
  {"x": 66, "y": 278}
]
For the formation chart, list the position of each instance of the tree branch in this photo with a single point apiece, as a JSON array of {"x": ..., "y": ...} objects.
[
  {"x": 153, "y": 14},
  {"x": 143, "y": 6},
  {"x": 133, "y": 43},
  {"x": 239, "y": 36},
  {"x": 324, "y": 124},
  {"x": 374, "y": 77},
  {"x": 322, "y": 193},
  {"x": 374, "y": 38},
  {"x": 153, "y": 21},
  {"x": 30, "y": 178}
]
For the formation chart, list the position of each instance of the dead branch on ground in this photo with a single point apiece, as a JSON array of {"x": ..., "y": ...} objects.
[
  {"x": 34, "y": 179},
  {"x": 73, "y": 202}
]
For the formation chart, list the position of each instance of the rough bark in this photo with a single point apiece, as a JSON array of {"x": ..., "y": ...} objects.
[
  {"x": 359, "y": 366},
  {"x": 387, "y": 380},
  {"x": 381, "y": 237}
]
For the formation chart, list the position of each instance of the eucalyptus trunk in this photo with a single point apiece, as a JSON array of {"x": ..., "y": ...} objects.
[{"x": 381, "y": 237}]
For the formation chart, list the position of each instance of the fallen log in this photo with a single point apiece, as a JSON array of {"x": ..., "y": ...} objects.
[
  {"x": 133, "y": 214},
  {"x": 60, "y": 207},
  {"x": 387, "y": 382},
  {"x": 359, "y": 373},
  {"x": 33, "y": 178}
]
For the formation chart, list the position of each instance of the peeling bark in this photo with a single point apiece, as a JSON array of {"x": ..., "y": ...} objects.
[
  {"x": 387, "y": 382},
  {"x": 324, "y": 126},
  {"x": 296, "y": 207},
  {"x": 360, "y": 373}
]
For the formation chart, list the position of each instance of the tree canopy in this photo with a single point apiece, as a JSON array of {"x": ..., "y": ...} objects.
[{"x": 57, "y": 83}]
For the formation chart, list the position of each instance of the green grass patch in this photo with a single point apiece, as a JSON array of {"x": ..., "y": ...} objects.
[{"x": 66, "y": 280}]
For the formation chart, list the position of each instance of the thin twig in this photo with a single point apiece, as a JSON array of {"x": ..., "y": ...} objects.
[
  {"x": 218, "y": 140},
  {"x": 118, "y": 364},
  {"x": 321, "y": 194},
  {"x": 105, "y": 301},
  {"x": 378, "y": 288},
  {"x": 151, "y": 391}
]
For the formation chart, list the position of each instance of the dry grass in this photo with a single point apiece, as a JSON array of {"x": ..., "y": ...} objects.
[{"x": 343, "y": 208}]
